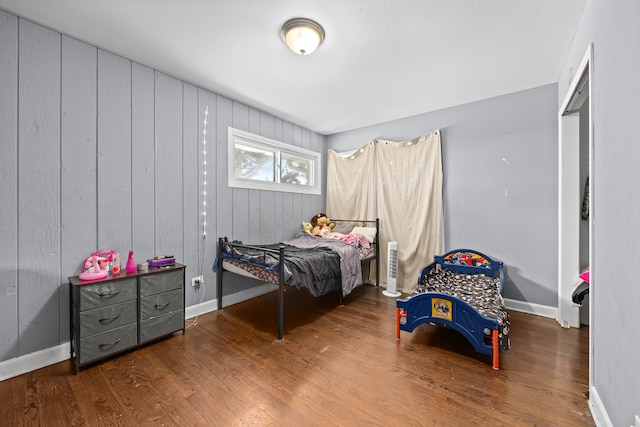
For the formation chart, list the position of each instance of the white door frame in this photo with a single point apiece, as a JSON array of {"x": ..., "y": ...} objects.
[{"x": 569, "y": 196}]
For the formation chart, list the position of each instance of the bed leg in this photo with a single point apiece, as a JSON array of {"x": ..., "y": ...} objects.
[
  {"x": 219, "y": 272},
  {"x": 280, "y": 311},
  {"x": 398, "y": 315},
  {"x": 494, "y": 342},
  {"x": 281, "y": 293}
]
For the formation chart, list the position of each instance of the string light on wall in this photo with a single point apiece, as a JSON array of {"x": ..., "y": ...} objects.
[
  {"x": 204, "y": 211},
  {"x": 204, "y": 168}
]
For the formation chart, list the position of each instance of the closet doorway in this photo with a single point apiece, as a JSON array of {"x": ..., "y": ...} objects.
[{"x": 575, "y": 234}]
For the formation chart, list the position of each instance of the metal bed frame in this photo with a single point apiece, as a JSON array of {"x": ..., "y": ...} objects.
[{"x": 280, "y": 253}]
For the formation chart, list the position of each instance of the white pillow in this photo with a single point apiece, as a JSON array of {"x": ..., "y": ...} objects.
[{"x": 368, "y": 232}]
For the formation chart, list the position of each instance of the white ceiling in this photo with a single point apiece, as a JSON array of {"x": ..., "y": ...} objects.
[{"x": 381, "y": 59}]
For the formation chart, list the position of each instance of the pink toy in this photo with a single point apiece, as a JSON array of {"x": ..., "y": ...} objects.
[
  {"x": 103, "y": 256},
  {"x": 95, "y": 273},
  {"x": 131, "y": 264}
]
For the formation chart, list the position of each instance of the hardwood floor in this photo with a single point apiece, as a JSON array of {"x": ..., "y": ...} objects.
[{"x": 335, "y": 366}]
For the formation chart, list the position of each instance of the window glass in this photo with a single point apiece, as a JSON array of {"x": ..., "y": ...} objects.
[
  {"x": 294, "y": 169},
  {"x": 261, "y": 163},
  {"x": 254, "y": 163}
]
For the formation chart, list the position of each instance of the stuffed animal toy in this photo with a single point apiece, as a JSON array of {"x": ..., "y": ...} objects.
[
  {"x": 314, "y": 221},
  {"x": 307, "y": 227},
  {"x": 320, "y": 231},
  {"x": 323, "y": 226}
]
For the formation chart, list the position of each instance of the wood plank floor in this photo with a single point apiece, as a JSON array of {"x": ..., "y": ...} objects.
[{"x": 335, "y": 366}]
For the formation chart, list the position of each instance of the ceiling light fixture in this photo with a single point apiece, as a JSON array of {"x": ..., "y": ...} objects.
[{"x": 303, "y": 36}]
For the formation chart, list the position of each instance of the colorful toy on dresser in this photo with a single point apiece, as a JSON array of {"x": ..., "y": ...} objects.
[{"x": 99, "y": 264}]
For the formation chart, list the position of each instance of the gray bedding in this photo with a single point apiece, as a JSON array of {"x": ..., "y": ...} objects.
[
  {"x": 350, "y": 266},
  {"x": 319, "y": 264}
]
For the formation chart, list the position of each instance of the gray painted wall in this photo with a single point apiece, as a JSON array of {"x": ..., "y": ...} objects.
[
  {"x": 99, "y": 152},
  {"x": 500, "y": 182},
  {"x": 613, "y": 26}
]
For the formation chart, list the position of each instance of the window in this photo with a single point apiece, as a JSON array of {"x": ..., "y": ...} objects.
[{"x": 261, "y": 163}]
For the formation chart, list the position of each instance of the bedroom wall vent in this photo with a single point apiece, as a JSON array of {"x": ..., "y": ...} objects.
[{"x": 392, "y": 270}]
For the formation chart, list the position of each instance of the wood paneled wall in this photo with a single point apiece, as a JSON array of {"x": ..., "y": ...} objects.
[{"x": 100, "y": 152}]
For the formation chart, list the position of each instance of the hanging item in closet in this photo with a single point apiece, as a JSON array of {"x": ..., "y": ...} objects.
[{"x": 585, "y": 201}]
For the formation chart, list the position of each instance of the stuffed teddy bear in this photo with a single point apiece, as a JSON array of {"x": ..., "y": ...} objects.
[
  {"x": 323, "y": 225},
  {"x": 307, "y": 227},
  {"x": 314, "y": 221}
]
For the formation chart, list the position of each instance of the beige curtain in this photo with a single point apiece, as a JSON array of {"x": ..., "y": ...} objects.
[
  {"x": 400, "y": 183},
  {"x": 351, "y": 184}
]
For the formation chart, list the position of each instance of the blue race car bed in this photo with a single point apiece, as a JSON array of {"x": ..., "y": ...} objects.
[{"x": 461, "y": 289}]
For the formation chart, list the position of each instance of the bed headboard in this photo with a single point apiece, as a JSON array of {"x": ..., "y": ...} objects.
[
  {"x": 469, "y": 261},
  {"x": 369, "y": 228}
]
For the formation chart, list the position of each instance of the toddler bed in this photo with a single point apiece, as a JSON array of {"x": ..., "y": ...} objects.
[
  {"x": 461, "y": 289},
  {"x": 320, "y": 264}
]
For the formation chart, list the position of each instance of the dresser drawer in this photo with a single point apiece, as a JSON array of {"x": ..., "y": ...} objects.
[
  {"x": 157, "y": 283},
  {"x": 120, "y": 313},
  {"x": 157, "y": 305},
  {"x": 162, "y": 325},
  {"x": 105, "y": 318},
  {"x": 107, "y": 343},
  {"x": 102, "y": 294}
]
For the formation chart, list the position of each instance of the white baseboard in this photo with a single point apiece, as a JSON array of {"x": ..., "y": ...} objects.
[
  {"x": 212, "y": 305},
  {"x": 202, "y": 308},
  {"x": 248, "y": 294},
  {"x": 32, "y": 361},
  {"x": 531, "y": 308},
  {"x": 598, "y": 412}
]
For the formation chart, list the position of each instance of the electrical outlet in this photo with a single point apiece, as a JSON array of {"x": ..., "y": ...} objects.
[{"x": 197, "y": 281}]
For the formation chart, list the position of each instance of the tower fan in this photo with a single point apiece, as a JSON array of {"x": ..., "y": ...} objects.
[{"x": 392, "y": 270}]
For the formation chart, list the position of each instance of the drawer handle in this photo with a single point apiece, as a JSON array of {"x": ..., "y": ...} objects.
[
  {"x": 162, "y": 306},
  {"x": 109, "y": 319},
  {"x": 109, "y": 294},
  {"x": 109, "y": 345}
]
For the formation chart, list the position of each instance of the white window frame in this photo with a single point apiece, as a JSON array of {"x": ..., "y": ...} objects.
[{"x": 246, "y": 138}]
